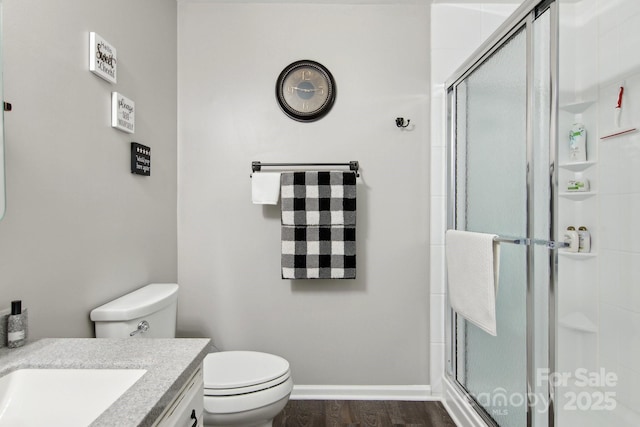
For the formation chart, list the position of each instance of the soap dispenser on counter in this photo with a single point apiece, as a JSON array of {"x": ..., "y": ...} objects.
[{"x": 16, "y": 325}]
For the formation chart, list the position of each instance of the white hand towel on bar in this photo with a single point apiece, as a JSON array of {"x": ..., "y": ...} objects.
[
  {"x": 265, "y": 188},
  {"x": 473, "y": 263}
]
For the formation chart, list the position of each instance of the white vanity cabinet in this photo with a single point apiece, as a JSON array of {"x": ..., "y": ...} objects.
[{"x": 186, "y": 410}]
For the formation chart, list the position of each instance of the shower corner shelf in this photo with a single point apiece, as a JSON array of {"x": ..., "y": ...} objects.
[
  {"x": 579, "y": 322},
  {"x": 577, "y": 107},
  {"x": 577, "y": 166},
  {"x": 578, "y": 255},
  {"x": 578, "y": 195}
]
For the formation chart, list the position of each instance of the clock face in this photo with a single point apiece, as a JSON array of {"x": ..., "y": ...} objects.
[{"x": 305, "y": 91}]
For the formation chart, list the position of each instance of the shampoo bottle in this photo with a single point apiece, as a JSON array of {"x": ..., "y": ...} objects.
[
  {"x": 584, "y": 238},
  {"x": 571, "y": 237},
  {"x": 578, "y": 143},
  {"x": 16, "y": 326}
]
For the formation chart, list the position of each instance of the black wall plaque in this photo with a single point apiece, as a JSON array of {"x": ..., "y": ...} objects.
[{"x": 140, "y": 159}]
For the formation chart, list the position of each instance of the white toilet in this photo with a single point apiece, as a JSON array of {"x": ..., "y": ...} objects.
[{"x": 241, "y": 388}]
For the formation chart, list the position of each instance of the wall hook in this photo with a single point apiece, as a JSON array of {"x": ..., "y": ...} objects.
[{"x": 401, "y": 123}]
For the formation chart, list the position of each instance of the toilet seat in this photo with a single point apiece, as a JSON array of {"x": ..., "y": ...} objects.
[
  {"x": 231, "y": 373},
  {"x": 244, "y": 390}
]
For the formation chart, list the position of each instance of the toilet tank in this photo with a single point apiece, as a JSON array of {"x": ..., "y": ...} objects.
[{"x": 155, "y": 303}]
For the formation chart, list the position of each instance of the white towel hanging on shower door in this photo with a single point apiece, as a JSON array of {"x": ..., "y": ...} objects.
[{"x": 472, "y": 268}]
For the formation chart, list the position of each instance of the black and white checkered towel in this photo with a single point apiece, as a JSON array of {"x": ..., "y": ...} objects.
[{"x": 318, "y": 225}]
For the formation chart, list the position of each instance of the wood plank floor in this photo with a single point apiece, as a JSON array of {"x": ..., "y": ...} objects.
[{"x": 325, "y": 413}]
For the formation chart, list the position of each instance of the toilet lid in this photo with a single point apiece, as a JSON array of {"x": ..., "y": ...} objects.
[{"x": 235, "y": 369}]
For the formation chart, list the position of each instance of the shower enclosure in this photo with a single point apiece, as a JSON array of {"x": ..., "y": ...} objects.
[{"x": 567, "y": 322}]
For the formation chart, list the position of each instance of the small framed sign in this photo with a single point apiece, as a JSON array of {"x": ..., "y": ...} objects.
[
  {"x": 102, "y": 58},
  {"x": 123, "y": 113},
  {"x": 140, "y": 159}
]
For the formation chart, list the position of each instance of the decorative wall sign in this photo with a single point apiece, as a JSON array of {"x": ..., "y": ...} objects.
[
  {"x": 123, "y": 114},
  {"x": 140, "y": 159},
  {"x": 102, "y": 58}
]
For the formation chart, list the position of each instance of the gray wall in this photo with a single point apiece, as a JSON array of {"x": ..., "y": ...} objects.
[
  {"x": 370, "y": 331},
  {"x": 80, "y": 229}
]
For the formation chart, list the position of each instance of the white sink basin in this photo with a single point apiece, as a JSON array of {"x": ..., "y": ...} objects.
[{"x": 69, "y": 397}]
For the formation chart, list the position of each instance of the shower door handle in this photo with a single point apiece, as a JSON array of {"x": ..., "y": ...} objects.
[{"x": 550, "y": 244}]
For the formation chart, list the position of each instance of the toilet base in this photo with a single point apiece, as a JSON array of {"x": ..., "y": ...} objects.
[{"x": 260, "y": 417}]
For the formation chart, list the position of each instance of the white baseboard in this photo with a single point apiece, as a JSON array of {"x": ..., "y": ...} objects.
[
  {"x": 458, "y": 408},
  {"x": 363, "y": 392}
]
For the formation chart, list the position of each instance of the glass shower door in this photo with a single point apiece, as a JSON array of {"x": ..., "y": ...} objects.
[
  {"x": 491, "y": 197},
  {"x": 503, "y": 151}
]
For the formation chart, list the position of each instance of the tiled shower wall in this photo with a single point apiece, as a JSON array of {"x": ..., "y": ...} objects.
[
  {"x": 618, "y": 36},
  {"x": 601, "y": 39}
]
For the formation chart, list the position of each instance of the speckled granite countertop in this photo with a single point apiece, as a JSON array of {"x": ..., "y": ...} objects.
[{"x": 169, "y": 363}]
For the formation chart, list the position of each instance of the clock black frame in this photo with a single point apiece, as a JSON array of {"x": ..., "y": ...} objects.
[{"x": 311, "y": 115}]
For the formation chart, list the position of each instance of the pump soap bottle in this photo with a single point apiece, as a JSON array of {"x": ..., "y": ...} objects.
[{"x": 16, "y": 326}]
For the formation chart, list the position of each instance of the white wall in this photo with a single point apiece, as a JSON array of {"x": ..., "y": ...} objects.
[
  {"x": 370, "y": 331},
  {"x": 457, "y": 30},
  {"x": 603, "y": 37},
  {"x": 80, "y": 229}
]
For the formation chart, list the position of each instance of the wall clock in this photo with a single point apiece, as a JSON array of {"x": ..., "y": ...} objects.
[{"x": 305, "y": 90}]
